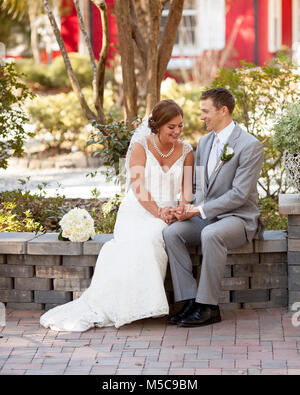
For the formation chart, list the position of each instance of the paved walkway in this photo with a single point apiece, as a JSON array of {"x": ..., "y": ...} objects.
[{"x": 244, "y": 343}]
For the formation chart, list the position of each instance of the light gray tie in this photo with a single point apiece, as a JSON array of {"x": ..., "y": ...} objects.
[{"x": 214, "y": 156}]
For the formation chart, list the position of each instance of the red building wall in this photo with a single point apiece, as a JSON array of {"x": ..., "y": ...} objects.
[
  {"x": 69, "y": 26},
  {"x": 240, "y": 29},
  {"x": 97, "y": 30}
]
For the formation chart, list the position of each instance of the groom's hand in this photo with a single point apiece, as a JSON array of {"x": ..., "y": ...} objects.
[
  {"x": 167, "y": 215},
  {"x": 185, "y": 211}
]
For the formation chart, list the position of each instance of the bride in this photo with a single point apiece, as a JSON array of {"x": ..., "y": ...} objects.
[{"x": 128, "y": 281}]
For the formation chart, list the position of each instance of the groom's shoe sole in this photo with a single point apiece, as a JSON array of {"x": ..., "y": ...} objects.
[{"x": 213, "y": 320}]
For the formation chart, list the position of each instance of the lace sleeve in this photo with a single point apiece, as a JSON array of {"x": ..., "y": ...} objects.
[
  {"x": 139, "y": 136},
  {"x": 186, "y": 149}
]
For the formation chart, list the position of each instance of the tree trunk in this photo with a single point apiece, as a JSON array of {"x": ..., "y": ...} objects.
[
  {"x": 90, "y": 115},
  {"x": 33, "y": 6},
  {"x": 126, "y": 50},
  {"x": 152, "y": 95},
  {"x": 168, "y": 39}
]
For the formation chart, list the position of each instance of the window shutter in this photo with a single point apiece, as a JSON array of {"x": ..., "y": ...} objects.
[
  {"x": 296, "y": 21},
  {"x": 211, "y": 27},
  {"x": 274, "y": 26}
]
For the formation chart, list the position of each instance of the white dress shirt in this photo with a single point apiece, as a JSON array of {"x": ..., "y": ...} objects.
[{"x": 220, "y": 140}]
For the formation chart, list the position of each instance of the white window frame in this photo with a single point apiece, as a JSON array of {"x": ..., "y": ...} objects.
[
  {"x": 274, "y": 25},
  {"x": 185, "y": 51},
  {"x": 296, "y": 21},
  {"x": 296, "y": 30}
]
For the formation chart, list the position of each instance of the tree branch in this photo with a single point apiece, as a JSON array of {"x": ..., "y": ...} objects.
[
  {"x": 137, "y": 35},
  {"x": 86, "y": 37},
  {"x": 73, "y": 79},
  {"x": 101, "y": 5},
  {"x": 126, "y": 51},
  {"x": 168, "y": 38},
  {"x": 152, "y": 95}
]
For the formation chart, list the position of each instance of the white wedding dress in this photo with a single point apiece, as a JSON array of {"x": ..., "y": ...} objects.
[{"x": 128, "y": 281}]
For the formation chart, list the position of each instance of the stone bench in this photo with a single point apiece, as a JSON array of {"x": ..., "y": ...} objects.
[{"x": 38, "y": 272}]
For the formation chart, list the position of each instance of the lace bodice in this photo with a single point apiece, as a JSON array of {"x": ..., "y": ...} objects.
[{"x": 164, "y": 186}]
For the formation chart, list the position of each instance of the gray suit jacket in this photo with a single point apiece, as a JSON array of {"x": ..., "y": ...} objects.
[{"x": 232, "y": 190}]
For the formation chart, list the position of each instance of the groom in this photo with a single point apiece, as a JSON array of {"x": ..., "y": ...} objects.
[{"x": 224, "y": 214}]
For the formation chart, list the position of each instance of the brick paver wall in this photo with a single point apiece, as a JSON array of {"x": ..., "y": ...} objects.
[{"x": 38, "y": 272}]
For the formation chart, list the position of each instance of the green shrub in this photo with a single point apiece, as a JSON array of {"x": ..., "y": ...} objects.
[
  {"x": 24, "y": 211},
  {"x": 33, "y": 72},
  {"x": 59, "y": 120},
  {"x": 262, "y": 94},
  {"x": 11, "y": 222},
  {"x": 113, "y": 140},
  {"x": 13, "y": 94},
  {"x": 81, "y": 65},
  {"x": 44, "y": 212},
  {"x": 105, "y": 221},
  {"x": 270, "y": 214},
  {"x": 287, "y": 130}
]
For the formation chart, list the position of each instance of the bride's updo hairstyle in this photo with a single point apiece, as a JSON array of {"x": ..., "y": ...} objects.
[{"x": 162, "y": 113}]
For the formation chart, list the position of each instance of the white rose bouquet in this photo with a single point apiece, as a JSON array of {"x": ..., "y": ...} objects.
[{"x": 77, "y": 225}]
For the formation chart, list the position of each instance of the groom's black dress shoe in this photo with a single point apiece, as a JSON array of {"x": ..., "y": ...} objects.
[
  {"x": 173, "y": 319},
  {"x": 201, "y": 315}
]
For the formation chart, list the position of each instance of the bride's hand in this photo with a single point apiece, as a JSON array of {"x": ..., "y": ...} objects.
[{"x": 167, "y": 214}]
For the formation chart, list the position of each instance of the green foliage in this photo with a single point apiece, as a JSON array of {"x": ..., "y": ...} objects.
[
  {"x": 105, "y": 221},
  {"x": 42, "y": 211},
  {"x": 32, "y": 72},
  {"x": 81, "y": 65},
  {"x": 59, "y": 120},
  {"x": 55, "y": 75},
  {"x": 11, "y": 222},
  {"x": 12, "y": 117},
  {"x": 262, "y": 94},
  {"x": 188, "y": 97},
  {"x": 113, "y": 139},
  {"x": 23, "y": 211},
  {"x": 270, "y": 214},
  {"x": 287, "y": 130}
]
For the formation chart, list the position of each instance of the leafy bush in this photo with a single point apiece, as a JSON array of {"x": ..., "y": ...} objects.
[
  {"x": 105, "y": 221},
  {"x": 287, "y": 130},
  {"x": 113, "y": 139},
  {"x": 55, "y": 74},
  {"x": 23, "y": 211},
  {"x": 43, "y": 211},
  {"x": 11, "y": 222},
  {"x": 262, "y": 94},
  {"x": 32, "y": 72},
  {"x": 12, "y": 117},
  {"x": 59, "y": 120},
  {"x": 270, "y": 214},
  {"x": 81, "y": 65}
]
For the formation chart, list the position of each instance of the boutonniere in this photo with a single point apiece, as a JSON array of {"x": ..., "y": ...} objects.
[{"x": 226, "y": 155}]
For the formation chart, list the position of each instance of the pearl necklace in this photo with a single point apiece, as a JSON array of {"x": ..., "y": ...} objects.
[{"x": 160, "y": 153}]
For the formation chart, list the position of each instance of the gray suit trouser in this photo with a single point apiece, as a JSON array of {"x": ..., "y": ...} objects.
[{"x": 216, "y": 238}]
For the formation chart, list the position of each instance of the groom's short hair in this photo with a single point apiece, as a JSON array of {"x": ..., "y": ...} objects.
[{"x": 220, "y": 97}]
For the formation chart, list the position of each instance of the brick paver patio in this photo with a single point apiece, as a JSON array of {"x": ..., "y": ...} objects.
[{"x": 246, "y": 342}]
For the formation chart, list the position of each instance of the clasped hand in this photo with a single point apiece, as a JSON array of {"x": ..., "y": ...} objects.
[{"x": 181, "y": 212}]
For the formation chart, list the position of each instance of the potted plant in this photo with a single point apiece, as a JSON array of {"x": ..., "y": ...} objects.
[{"x": 287, "y": 140}]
